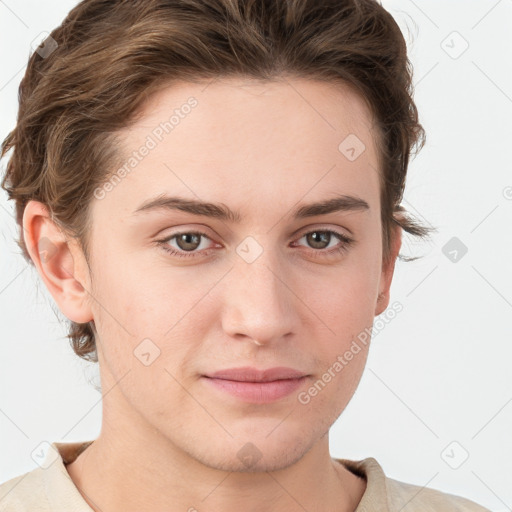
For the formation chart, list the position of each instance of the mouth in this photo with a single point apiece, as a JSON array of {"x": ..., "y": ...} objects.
[{"x": 256, "y": 386}]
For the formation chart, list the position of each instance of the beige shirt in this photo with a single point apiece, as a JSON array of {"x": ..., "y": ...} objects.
[{"x": 49, "y": 488}]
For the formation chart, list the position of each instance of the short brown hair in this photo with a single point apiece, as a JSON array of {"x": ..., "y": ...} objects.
[{"x": 109, "y": 56}]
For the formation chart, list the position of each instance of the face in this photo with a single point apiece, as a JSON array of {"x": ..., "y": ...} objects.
[{"x": 179, "y": 295}]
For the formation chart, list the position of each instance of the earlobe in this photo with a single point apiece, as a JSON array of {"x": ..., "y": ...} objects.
[
  {"x": 58, "y": 262},
  {"x": 382, "y": 303}
]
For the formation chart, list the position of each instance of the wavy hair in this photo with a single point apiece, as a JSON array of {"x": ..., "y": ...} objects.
[{"x": 108, "y": 56}]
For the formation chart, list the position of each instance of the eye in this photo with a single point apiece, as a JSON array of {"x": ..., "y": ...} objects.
[
  {"x": 320, "y": 239},
  {"x": 188, "y": 243}
]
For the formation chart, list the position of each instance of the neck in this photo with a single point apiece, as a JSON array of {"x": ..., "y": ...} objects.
[{"x": 132, "y": 474}]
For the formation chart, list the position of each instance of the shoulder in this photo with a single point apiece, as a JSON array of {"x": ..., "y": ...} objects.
[
  {"x": 47, "y": 487},
  {"x": 384, "y": 494},
  {"x": 411, "y": 498},
  {"x": 25, "y": 492}
]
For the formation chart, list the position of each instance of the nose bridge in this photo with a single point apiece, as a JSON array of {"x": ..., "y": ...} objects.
[
  {"x": 257, "y": 301},
  {"x": 261, "y": 283}
]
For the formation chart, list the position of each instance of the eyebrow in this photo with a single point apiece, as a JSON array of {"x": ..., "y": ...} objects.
[{"x": 340, "y": 203}]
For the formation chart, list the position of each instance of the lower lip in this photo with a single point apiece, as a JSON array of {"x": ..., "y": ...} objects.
[{"x": 257, "y": 392}]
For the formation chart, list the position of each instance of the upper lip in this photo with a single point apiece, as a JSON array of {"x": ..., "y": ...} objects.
[{"x": 250, "y": 374}]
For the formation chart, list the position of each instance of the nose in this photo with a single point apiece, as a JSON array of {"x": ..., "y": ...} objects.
[{"x": 258, "y": 302}]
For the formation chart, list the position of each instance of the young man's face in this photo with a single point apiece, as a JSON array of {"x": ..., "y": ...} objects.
[{"x": 164, "y": 322}]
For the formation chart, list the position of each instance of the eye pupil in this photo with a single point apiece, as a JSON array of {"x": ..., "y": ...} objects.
[
  {"x": 318, "y": 237},
  {"x": 186, "y": 237}
]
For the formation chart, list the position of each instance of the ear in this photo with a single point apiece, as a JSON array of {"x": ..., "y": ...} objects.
[
  {"x": 59, "y": 261},
  {"x": 388, "y": 269}
]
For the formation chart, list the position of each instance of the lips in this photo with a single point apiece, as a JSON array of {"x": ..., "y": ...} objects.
[
  {"x": 256, "y": 386},
  {"x": 250, "y": 374}
]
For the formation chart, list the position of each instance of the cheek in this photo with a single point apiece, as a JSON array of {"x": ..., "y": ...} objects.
[
  {"x": 333, "y": 387},
  {"x": 345, "y": 309},
  {"x": 163, "y": 314},
  {"x": 141, "y": 298},
  {"x": 346, "y": 304}
]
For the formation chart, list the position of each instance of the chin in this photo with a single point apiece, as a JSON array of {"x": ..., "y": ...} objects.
[{"x": 254, "y": 453}]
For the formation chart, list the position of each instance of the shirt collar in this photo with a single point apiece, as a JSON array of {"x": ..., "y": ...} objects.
[
  {"x": 375, "y": 495},
  {"x": 60, "y": 490}
]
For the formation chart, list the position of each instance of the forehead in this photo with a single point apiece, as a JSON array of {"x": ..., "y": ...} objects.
[
  {"x": 236, "y": 138},
  {"x": 234, "y": 103}
]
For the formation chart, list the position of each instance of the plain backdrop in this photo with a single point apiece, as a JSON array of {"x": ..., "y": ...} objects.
[{"x": 434, "y": 405}]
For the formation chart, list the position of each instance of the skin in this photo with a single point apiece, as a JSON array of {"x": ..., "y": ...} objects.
[{"x": 168, "y": 441}]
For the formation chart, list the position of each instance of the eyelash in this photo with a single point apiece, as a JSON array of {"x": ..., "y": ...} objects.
[{"x": 346, "y": 243}]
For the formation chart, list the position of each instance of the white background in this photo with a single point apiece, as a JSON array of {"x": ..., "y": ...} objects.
[{"x": 439, "y": 372}]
